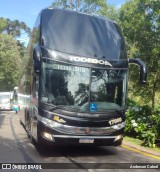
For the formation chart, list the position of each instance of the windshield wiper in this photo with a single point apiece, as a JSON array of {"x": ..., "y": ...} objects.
[
  {"x": 111, "y": 110},
  {"x": 65, "y": 107},
  {"x": 57, "y": 107},
  {"x": 117, "y": 111}
]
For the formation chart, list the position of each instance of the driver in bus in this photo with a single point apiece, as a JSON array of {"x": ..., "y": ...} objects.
[
  {"x": 49, "y": 95},
  {"x": 58, "y": 88}
]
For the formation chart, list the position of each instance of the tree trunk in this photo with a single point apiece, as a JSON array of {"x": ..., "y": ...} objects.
[{"x": 71, "y": 4}]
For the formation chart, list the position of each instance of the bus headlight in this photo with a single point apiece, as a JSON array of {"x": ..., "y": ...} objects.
[
  {"x": 119, "y": 137},
  {"x": 47, "y": 136},
  {"x": 119, "y": 126},
  {"x": 49, "y": 122}
]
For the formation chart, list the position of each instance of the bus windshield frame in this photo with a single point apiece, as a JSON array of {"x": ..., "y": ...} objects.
[{"x": 83, "y": 89}]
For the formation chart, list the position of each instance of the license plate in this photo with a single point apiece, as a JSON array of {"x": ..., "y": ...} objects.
[{"x": 84, "y": 140}]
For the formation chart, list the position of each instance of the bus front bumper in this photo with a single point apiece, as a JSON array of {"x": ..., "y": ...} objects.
[{"x": 56, "y": 133}]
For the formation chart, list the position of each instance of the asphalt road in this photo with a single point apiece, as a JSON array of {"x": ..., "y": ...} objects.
[{"x": 15, "y": 147}]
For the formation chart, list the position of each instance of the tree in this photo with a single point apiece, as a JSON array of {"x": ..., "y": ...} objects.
[
  {"x": 140, "y": 20},
  {"x": 9, "y": 62},
  {"x": 87, "y": 6},
  {"x": 14, "y": 28},
  {"x": 3, "y": 24},
  {"x": 11, "y": 52}
]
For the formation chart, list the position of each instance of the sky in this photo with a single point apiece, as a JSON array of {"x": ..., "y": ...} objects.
[{"x": 27, "y": 10}]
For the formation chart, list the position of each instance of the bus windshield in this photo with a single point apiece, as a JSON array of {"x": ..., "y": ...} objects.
[{"x": 79, "y": 88}]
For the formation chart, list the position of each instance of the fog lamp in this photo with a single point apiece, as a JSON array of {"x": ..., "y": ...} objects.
[
  {"x": 47, "y": 136},
  {"x": 118, "y": 138}
]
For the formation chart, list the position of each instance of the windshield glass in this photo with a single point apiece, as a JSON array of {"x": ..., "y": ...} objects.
[
  {"x": 69, "y": 87},
  {"x": 65, "y": 85},
  {"x": 108, "y": 89}
]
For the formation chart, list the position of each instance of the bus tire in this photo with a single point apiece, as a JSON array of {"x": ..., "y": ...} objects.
[{"x": 32, "y": 140}]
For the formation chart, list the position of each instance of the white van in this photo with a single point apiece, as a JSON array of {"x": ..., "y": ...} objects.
[{"x": 5, "y": 100}]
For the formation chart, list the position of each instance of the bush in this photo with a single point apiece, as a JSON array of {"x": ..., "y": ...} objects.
[{"x": 141, "y": 123}]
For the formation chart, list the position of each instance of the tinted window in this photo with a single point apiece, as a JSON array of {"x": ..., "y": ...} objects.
[{"x": 80, "y": 34}]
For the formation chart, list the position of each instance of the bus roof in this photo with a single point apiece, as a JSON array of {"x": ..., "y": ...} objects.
[{"x": 81, "y": 34}]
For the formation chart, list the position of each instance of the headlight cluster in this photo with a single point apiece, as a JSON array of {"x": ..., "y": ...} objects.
[
  {"x": 80, "y": 130},
  {"x": 119, "y": 126},
  {"x": 49, "y": 122}
]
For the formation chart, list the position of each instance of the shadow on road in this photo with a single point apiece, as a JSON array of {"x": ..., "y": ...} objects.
[
  {"x": 75, "y": 151},
  {"x": 25, "y": 147},
  {"x": 2, "y": 117}
]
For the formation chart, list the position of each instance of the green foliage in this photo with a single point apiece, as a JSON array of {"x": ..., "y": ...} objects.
[
  {"x": 11, "y": 52},
  {"x": 140, "y": 20},
  {"x": 9, "y": 62},
  {"x": 13, "y": 28},
  {"x": 3, "y": 24},
  {"x": 141, "y": 123},
  {"x": 88, "y": 6}
]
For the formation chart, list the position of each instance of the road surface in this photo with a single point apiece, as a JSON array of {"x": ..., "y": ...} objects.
[{"x": 15, "y": 147}]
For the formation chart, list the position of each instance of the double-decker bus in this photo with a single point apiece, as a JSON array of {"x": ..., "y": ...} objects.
[{"x": 76, "y": 78}]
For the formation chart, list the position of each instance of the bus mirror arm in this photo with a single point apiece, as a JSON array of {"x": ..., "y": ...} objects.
[
  {"x": 36, "y": 58},
  {"x": 36, "y": 53},
  {"x": 143, "y": 69}
]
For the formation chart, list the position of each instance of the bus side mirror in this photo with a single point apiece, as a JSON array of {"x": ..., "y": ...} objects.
[
  {"x": 143, "y": 69},
  {"x": 36, "y": 58}
]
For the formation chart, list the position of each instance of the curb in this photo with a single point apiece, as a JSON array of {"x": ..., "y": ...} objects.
[{"x": 140, "y": 148}]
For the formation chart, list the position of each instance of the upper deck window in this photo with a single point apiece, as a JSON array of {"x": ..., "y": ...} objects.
[{"x": 82, "y": 35}]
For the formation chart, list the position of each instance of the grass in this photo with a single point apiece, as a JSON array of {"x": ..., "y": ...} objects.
[{"x": 139, "y": 142}]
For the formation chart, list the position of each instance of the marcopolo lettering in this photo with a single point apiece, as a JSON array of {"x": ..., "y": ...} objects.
[
  {"x": 87, "y": 115},
  {"x": 89, "y": 60}
]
